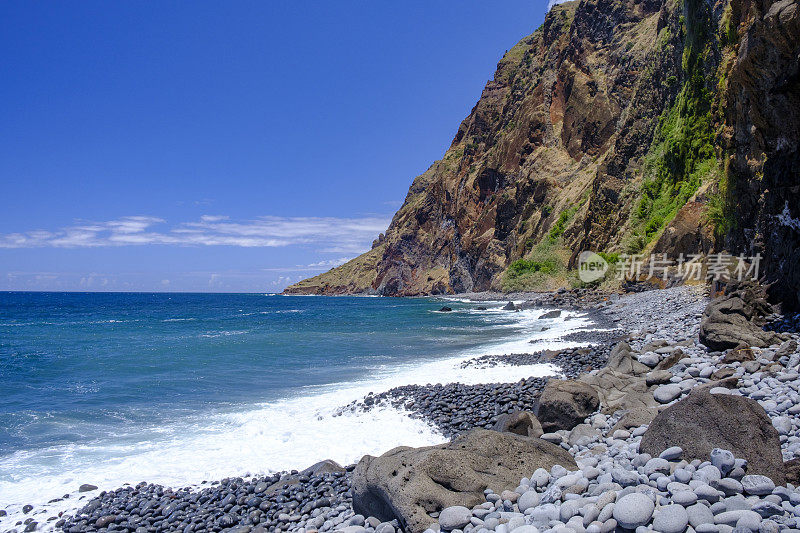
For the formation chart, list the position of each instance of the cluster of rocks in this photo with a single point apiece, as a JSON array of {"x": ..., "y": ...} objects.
[
  {"x": 455, "y": 407},
  {"x": 670, "y": 436},
  {"x": 571, "y": 361},
  {"x": 788, "y": 323},
  {"x": 318, "y": 498},
  {"x": 602, "y": 340},
  {"x": 665, "y": 493},
  {"x": 737, "y": 318},
  {"x": 573, "y": 298},
  {"x": 579, "y": 298},
  {"x": 669, "y": 314}
]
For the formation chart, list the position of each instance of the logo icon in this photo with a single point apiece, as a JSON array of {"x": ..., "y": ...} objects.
[{"x": 591, "y": 267}]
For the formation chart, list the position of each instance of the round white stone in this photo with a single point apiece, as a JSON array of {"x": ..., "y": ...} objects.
[
  {"x": 455, "y": 517},
  {"x": 528, "y": 500},
  {"x": 633, "y": 510},
  {"x": 757, "y": 485},
  {"x": 671, "y": 519},
  {"x": 667, "y": 393}
]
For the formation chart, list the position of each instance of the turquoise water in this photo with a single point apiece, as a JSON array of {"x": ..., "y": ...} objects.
[{"x": 175, "y": 388}]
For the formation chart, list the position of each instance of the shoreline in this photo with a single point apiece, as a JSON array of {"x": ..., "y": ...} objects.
[
  {"x": 68, "y": 501},
  {"x": 678, "y": 311}
]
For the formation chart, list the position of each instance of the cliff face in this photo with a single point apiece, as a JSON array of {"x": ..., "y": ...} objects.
[
  {"x": 761, "y": 139},
  {"x": 595, "y": 132}
]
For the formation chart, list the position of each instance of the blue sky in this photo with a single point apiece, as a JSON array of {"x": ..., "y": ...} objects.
[{"x": 224, "y": 146}]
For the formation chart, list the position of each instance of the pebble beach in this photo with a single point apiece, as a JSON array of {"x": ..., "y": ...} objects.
[{"x": 612, "y": 483}]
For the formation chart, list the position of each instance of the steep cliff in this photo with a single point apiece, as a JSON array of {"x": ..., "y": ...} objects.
[
  {"x": 761, "y": 138},
  {"x": 611, "y": 127}
]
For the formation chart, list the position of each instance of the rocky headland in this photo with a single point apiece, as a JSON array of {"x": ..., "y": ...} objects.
[{"x": 618, "y": 126}]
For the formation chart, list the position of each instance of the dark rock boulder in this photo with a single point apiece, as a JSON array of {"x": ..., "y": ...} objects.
[
  {"x": 520, "y": 423},
  {"x": 551, "y": 314},
  {"x": 792, "y": 468},
  {"x": 723, "y": 373},
  {"x": 510, "y": 307},
  {"x": 740, "y": 354},
  {"x": 736, "y": 318},
  {"x": 670, "y": 360},
  {"x": 410, "y": 483},
  {"x": 703, "y": 421},
  {"x": 327, "y": 466},
  {"x": 445, "y": 309},
  {"x": 565, "y": 404}
]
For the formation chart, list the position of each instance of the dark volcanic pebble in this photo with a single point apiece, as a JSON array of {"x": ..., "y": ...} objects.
[
  {"x": 571, "y": 361},
  {"x": 263, "y": 504},
  {"x": 788, "y": 323},
  {"x": 456, "y": 407},
  {"x": 605, "y": 339}
]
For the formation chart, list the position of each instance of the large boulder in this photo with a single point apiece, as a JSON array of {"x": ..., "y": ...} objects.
[
  {"x": 622, "y": 384},
  {"x": 736, "y": 318},
  {"x": 520, "y": 423},
  {"x": 621, "y": 360},
  {"x": 619, "y": 391},
  {"x": 563, "y": 404},
  {"x": 703, "y": 421},
  {"x": 410, "y": 483}
]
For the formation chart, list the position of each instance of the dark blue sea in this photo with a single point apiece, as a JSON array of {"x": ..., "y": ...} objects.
[{"x": 109, "y": 388}]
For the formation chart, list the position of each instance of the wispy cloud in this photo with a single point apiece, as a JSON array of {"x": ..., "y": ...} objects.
[
  {"x": 311, "y": 267},
  {"x": 330, "y": 263},
  {"x": 331, "y": 234}
]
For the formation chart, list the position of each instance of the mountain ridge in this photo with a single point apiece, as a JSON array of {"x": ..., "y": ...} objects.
[{"x": 614, "y": 126}]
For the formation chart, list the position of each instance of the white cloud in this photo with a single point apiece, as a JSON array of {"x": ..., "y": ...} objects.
[
  {"x": 338, "y": 235},
  {"x": 326, "y": 264},
  {"x": 330, "y": 263}
]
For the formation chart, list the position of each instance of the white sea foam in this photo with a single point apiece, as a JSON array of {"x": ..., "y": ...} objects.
[
  {"x": 224, "y": 333},
  {"x": 260, "y": 438}
]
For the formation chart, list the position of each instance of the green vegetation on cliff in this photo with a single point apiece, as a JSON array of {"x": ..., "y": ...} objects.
[
  {"x": 543, "y": 269},
  {"x": 563, "y": 153},
  {"x": 682, "y": 155}
]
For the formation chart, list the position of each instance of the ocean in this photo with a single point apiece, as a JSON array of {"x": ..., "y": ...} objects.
[{"x": 114, "y": 388}]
